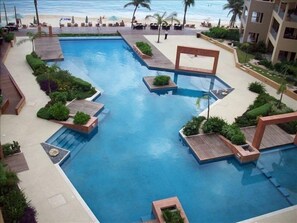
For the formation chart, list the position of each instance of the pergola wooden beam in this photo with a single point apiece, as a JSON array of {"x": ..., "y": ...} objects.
[
  {"x": 197, "y": 51},
  {"x": 270, "y": 120}
]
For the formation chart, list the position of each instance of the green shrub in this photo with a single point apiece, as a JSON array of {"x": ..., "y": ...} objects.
[
  {"x": 261, "y": 100},
  {"x": 41, "y": 69},
  {"x": 234, "y": 134},
  {"x": 59, "y": 112},
  {"x": 244, "y": 121},
  {"x": 44, "y": 113},
  {"x": 83, "y": 95},
  {"x": 266, "y": 63},
  {"x": 233, "y": 34},
  {"x": 261, "y": 47},
  {"x": 172, "y": 216},
  {"x": 258, "y": 56},
  {"x": 14, "y": 205},
  {"x": 58, "y": 97},
  {"x": 81, "y": 118},
  {"x": 80, "y": 84},
  {"x": 213, "y": 124},
  {"x": 161, "y": 80},
  {"x": 257, "y": 87},
  {"x": 11, "y": 148},
  {"x": 8, "y": 37},
  {"x": 289, "y": 127},
  {"x": 238, "y": 139},
  {"x": 144, "y": 48},
  {"x": 192, "y": 126},
  {"x": 34, "y": 63},
  {"x": 263, "y": 110}
]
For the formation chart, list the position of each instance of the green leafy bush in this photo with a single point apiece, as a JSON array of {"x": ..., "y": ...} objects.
[
  {"x": 289, "y": 127},
  {"x": 261, "y": 100},
  {"x": 11, "y": 148},
  {"x": 81, "y": 118},
  {"x": 8, "y": 37},
  {"x": 14, "y": 205},
  {"x": 263, "y": 110},
  {"x": 223, "y": 33},
  {"x": 192, "y": 126},
  {"x": 233, "y": 133},
  {"x": 58, "y": 97},
  {"x": 213, "y": 124},
  {"x": 41, "y": 69},
  {"x": 244, "y": 121},
  {"x": 233, "y": 34},
  {"x": 161, "y": 80},
  {"x": 59, "y": 112},
  {"x": 172, "y": 216},
  {"x": 34, "y": 62},
  {"x": 145, "y": 48},
  {"x": 44, "y": 113},
  {"x": 257, "y": 87},
  {"x": 266, "y": 63}
]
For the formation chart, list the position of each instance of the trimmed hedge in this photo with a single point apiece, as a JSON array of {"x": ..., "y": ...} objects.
[
  {"x": 81, "y": 118},
  {"x": 192, "y": 127},
  {"x": 145, "y": 48},
  {"x": 8, "y": 37},
  {"x": 263, "y": 110},
  {"x": 223, "y": 33},
  {"x": 34, "y": 62},
  {"x": 161, "y": 80}
]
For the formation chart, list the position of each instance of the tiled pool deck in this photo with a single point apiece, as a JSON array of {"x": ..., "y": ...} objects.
[{"x": 45, "y": 184}]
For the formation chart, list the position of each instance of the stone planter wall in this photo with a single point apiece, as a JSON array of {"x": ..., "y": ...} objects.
[
  {"x": 243, "y": 155},
  {"x": 142, "y": 55}
]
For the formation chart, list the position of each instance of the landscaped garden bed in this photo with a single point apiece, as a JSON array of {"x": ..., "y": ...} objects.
[
  {"x": 160, "y": 82},
  {"x": 143, "y": 49}
]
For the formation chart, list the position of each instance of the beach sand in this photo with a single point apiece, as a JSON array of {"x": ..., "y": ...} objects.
[{"x": 54, "y": 20}]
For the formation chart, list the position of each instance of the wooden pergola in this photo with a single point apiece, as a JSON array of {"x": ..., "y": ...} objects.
[{"x": 269, "y": 120}]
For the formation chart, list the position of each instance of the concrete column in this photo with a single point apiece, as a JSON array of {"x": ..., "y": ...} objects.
[{"x": 258, "y": 134}]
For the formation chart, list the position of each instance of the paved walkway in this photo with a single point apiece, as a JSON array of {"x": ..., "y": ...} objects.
[{"x": 45, "y": 184}]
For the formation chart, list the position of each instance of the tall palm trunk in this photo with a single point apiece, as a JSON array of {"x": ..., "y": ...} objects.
[
  {"x": 159, "y": 32},
  {"x": 133, "y": 16},
  {"x": 36, "y": 10},
  {"x": 185, "y": 12}
]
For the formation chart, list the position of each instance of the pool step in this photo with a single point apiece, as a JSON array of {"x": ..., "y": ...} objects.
[{"x": 103, "y": 114}]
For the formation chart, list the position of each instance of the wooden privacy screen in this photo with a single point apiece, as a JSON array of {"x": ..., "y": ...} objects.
[
  {"x": 197, "y": 51},
  {"x": 269, "y": 120}
]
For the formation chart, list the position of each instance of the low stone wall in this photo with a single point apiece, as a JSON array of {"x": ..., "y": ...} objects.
[
  {"x": 251, "y": 72},
  {"x": 244, "y": 156}
]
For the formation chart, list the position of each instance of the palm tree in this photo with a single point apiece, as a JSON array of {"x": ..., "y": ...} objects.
[
  {"x": 32, "y": 37},
  {"x": 36, "y": 10},
  {"x": 235, "y": 7},
  {"x": 282, "y": 88},
  {"x": 187, "y": 4},
  {"x": 137, "y": 4},
  {"x": 162, "y": 19}
]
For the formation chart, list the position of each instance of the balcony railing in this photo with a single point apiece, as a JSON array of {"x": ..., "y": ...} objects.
[{"x": 273, "y": 33}]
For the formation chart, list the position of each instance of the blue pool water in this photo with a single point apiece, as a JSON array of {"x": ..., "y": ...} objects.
[{"x": 136, "y": 155}]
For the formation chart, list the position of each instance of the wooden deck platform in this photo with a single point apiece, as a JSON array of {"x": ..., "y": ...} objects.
[
  {"x": 208, "y": 147},
  {"x": 273, "y": 136},
  {"x": 85, "y": 106},
  {"x": 16, "y": 162},
  {"x": 48, "y": 48}
]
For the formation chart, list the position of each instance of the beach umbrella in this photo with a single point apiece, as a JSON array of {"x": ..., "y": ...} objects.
[
  {"x": 72, "y": 20},
  {"x": 87, "y": 20},
  {"x": 113, "y": 18}
]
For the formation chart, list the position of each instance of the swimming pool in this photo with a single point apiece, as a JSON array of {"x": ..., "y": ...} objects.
[{"x": 137, "y": 157}]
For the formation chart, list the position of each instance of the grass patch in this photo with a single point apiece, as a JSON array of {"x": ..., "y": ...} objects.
[
  {"x": 243, "y": 57},
  {"x": 266, "y": 73}
]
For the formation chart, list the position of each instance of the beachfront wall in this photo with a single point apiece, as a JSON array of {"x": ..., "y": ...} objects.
[{"x": 200, "y": 52}]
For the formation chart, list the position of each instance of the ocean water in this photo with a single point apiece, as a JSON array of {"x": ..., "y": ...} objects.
[{"x": 210, "y": 10}]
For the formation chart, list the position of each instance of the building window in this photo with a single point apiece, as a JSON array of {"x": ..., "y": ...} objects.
[
  {"x": 290, "y": 33},
  {"x": 257, "y": 17}
]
